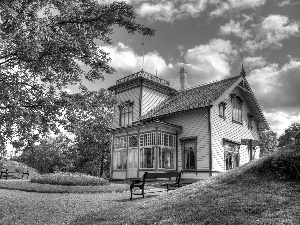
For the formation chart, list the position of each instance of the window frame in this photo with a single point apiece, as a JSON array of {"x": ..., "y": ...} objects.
[
  {"x": 152, "y": 157},
  {"x": 235, "y": 155},
  {"x": 117, "y": 157},
  {"x": 237, "y": 109},
  {"x": 222, "y": 108},
  {"x": 250, "y": 121},
  {"x": 126, "y": 113},
  {"x": 185, "y": 141}
]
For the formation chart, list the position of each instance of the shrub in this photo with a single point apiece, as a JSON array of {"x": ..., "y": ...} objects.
[
  {"x": 69, "y": 179},
  {"x": 283, "y": 164}
]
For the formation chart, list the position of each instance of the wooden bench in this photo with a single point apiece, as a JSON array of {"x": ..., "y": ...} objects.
[
  {"x": 10, "y": 170},
  {"x": 140, "y": 183}
]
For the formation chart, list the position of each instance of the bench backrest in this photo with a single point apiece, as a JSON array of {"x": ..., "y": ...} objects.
[
  {"x": 13, "y": 169},
  {"x": 171, "y": 174}
]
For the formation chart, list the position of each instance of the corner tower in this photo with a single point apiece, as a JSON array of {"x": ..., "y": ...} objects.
[{"x": 136, "y": 94}]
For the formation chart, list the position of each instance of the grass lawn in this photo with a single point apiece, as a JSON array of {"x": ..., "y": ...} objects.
[
  {"x": 25, "y": 185},
  {"x": 244, "y": 195}
]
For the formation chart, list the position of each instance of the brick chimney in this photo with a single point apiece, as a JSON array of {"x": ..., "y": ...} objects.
[{"x": 183, "y": 78}]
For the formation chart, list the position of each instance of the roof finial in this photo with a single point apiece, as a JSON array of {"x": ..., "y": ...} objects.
[{"x": 243, "y": 73}]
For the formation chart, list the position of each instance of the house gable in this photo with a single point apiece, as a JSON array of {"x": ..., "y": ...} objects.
[{"x": 226, "y": 128}]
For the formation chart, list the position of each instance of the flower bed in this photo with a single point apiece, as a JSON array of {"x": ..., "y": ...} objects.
[{"x": 69, "y": 179}]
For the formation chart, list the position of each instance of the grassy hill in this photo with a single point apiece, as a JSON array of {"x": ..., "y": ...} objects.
[
  {"x": 11, "y": 163},
  {"x": 266, "y": 191}
]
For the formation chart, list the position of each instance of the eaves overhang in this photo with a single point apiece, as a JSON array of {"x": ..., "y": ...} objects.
[
  {"x": 263, "y": 124},
  {"x": 140, "y": 125}
]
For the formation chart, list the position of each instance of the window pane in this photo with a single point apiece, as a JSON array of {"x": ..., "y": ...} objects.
[
  {"x": 189, "y": 155},
  {"x": 120, "y": 159},
  {"x": 147, "y": 157}
]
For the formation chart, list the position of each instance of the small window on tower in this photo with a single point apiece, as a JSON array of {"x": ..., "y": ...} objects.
[{"x": 126, "y": 114}]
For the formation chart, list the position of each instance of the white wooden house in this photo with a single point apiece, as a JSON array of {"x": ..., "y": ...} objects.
[{"x": 197, "y": 130}]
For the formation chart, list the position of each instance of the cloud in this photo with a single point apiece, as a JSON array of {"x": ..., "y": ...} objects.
[
  {"x": 236, "y": 29},
  {"x": 168, "y": 11},
  {"x": 222, "y": 7},
  {"x": 276, "y": 87},
  {"x": 181, "y": 48},
  {"x": 254, "y": 62},
  {"x": 126, "y": 61},
  {"x": 211, "y": 61},
  {"x": 279, "y": 120},
  {"x": 288, "y": 2},
  {"x": 271, "y": 32},
  {"x": 277, "y": 91}
]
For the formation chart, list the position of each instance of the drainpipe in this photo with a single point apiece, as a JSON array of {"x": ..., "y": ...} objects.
[{"x": 210, "y": 142}]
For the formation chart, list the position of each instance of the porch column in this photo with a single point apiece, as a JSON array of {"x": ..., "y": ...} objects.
[
  {"x": 138, "y": 160},
  {"x": 156, "y": 150},
  {"x": 127, "y": 164},
  {"x": 111, "y": 155}
]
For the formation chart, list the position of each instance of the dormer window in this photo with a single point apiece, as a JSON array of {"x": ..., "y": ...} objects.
[
  {"x": 250, "y": 121},
  {"x": 237, "y": 104},
  {"x": 222, "y": 107},
  {"x": 126, "y": 114}
]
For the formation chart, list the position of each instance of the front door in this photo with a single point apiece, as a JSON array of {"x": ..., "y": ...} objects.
[{"x": 132, "y": 163}]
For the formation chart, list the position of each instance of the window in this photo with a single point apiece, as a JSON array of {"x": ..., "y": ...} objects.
[
  {"x": 147, "y": 157},
  {"x": 189, "y": 154},
  {"x": 236, "y": 108},
  {"x": 232, "y": 156},
  {"x": 166, "y": 158},
  {"x": 120, "y": 159},
  {"x": 222, "y": 107},
  {"x": 250, "y": 121},
  {"x": 133, "y": 142},
  {"x": 126, "y": 114}
]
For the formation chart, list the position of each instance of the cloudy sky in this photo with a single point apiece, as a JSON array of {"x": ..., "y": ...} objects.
[{"x": 208, "y": 37}]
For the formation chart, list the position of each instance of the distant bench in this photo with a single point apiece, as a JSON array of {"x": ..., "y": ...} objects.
[
  {"x": 13, "y": 170},
  {"x": 140, "y": 183}
]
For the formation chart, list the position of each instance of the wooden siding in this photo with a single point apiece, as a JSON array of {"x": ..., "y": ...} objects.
[
  {"x": 193, "y": 123},
  {"x": 132, "y": 95},
  {"x": 151, "y": 99},
  {"x": 225, "y": 128}
]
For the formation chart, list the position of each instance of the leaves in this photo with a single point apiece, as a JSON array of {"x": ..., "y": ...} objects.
[
  {"x": 43, "y": 44},
  {"x": 287, "y": 138}
]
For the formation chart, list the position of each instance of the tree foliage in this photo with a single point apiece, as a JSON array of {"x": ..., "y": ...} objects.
[
  {"x": 268, "y": 140},
  {"x": 51, "y": 154},
  {"x": 91, "y": 148},
  {"x": 43, "y": 43},
  {"x": 287, "y": 138}
]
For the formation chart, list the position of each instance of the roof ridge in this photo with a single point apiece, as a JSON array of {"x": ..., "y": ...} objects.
[{"x": 207, "y": 84}]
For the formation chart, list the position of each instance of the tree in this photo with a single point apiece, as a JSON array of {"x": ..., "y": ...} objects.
[
  {"x": 268, "y": 142},
  {"x": 287, "y": 138},
  {"x": 49, "y": 155},
  {"x": 42, "y": 44},
  {"x": 91, "y": 148}
]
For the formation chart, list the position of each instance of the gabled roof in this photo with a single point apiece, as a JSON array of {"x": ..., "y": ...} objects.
[
  {"x": 198, "y": 97},
  {"x": 255, "y": 106}
]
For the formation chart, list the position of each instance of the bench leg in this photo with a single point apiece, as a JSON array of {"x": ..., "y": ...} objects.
[{"x": 130, "y": 193}]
